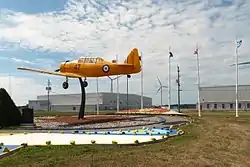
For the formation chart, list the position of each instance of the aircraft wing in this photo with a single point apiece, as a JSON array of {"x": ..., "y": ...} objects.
[{"x": 66, "y": 74}]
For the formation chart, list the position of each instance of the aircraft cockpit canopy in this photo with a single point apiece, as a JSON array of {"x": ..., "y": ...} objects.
[{"x": 90, "y": 60}]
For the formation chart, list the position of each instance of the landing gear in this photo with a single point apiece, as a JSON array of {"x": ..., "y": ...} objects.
[
  {"x": 85, "y": 84},
  {"x": 65, "y": 84}
]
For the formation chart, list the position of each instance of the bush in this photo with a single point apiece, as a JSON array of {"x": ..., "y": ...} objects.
[
  {"x": 9, "y": 113},
  {"x": 153, "y": 139},
  {"x": 24, "y": 144},
  {"x": 136, "y": 141},
  {"x": 114, "y": 142},
  {"x": 72, "y": 142},
  {"x": 48, "y": 142},
  {"x": 1, "y": 144},
  {"x": 6, "y": 149},
  {"x": 93, "y": 141}
]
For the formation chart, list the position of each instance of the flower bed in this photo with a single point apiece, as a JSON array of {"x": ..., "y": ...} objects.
[
  {"x": 145, "y": 111},
  {"x": 69, "y": 120}
]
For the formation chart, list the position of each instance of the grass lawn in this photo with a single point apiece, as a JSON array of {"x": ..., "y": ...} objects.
[{"x": 215, "y": 139}]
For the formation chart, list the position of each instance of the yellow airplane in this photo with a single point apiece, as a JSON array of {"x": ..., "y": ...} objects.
[{"x": 94, "y": 67}]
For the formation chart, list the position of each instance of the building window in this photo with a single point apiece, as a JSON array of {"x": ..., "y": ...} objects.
[
  {"x": 207, "y": 106},
  {"x": 223, "y": 105},
  {"x": 248, "y": 105},
  {"x": 74, "y": 108},
  {"x": 239, "y": 105},
  {"x": 215, "y": 105},
  {"x": 231, "y": 105}
]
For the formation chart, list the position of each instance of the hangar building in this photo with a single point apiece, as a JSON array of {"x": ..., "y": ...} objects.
[
  {"x": 71, "y": 102},
  {"x": 223, "y": 97}
]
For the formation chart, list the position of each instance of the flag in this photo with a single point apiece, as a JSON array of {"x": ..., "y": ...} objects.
[
  {"x": 196, "y": 51},
  {"x": 171, "y": 54},
  {"x": 239, "y": 43}
]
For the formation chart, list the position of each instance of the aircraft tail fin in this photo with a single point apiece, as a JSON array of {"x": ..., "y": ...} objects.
[{"x": 134, "y": 59}]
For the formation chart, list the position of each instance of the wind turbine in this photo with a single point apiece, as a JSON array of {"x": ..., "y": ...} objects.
[
  {"x": 160, "y": 88},
  {"x": 111, "y": 80}
]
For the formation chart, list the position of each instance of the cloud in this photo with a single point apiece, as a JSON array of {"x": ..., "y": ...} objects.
[{"x": 92, "y": 28}]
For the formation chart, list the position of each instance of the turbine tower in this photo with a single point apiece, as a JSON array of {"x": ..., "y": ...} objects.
[
  {"x": 111, "y": 82},
  {"x": 160, "y": 88}
]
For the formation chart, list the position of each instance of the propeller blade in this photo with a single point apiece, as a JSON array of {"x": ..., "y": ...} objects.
[
  {"x": 159, "y": 80},
  {"x": 244, "y": 63}
]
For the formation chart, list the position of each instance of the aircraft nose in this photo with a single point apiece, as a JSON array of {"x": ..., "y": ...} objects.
[{"x": 62, "y": 68}]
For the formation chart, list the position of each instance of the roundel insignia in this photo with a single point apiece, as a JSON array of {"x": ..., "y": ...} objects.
[{"x": 105, "y": 68}]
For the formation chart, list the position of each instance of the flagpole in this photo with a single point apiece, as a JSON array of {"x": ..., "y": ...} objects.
[
  {"x": 117, "y": 81},
  {"x": 10, "y": 84},
  {"x": 198, "y": 81},
  {"x": 236, "y": 86},
  {"x": 141, "y": 82},
  {"x": 169, "y": 80}
]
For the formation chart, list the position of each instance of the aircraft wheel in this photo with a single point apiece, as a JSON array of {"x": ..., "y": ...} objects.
[
  {"x": 65, "y": 85},
  {"x": 129, "y": 76},
  {"x": 85, "y": 84}
]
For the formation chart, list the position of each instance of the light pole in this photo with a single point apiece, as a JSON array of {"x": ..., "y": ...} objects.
[
  {"x": 97, "y": 94},
  {"x": 48, "y": 88},
  {"x": 178, "y": 87},
  {"x": 117, "y": 97},
  {"x": 238, "y": 44}
]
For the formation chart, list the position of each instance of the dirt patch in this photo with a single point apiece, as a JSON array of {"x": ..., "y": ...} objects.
[{"x": 69, "y": 120}]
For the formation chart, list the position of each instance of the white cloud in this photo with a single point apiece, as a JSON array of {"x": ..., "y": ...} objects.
[{"x": 91, "y": 27}]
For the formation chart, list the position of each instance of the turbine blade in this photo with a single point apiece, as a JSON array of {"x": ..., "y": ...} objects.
[
  {"x": 158, "y": 90},
  {"x": 159, "y": 81}
]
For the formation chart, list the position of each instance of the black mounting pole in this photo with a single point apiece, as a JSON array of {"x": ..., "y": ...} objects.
[
  {"x": 83, "y": 100},
  {"x": 128, "y": 76},
  {"x": 178, "y": 86}
]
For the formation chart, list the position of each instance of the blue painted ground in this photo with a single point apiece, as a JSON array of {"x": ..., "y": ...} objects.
[
  {"x": 10, "y": 147},
  {"x": 144, "y": 131}
]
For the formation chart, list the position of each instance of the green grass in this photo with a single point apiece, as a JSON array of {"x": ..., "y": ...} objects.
[{"x": 215, "y": 139}]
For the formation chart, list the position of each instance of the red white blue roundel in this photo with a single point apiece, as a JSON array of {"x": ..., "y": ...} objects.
[{"x": 105, "y": 68}]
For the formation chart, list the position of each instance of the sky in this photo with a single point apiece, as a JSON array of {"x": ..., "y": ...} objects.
[{"x": 43, "y": 33}]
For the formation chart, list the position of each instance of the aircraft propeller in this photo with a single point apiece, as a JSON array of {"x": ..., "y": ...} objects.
[{"x": 58, "y": 70}]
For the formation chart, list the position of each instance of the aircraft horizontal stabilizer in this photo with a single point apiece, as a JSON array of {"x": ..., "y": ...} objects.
[{"x": 66, "y": 74}]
